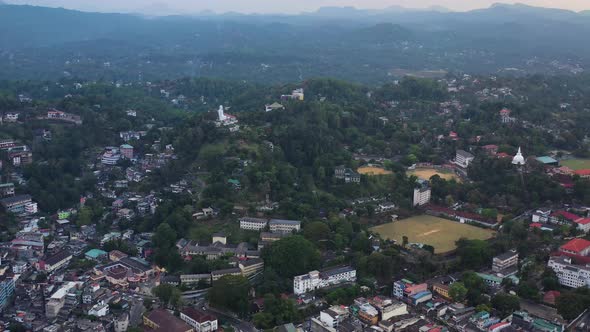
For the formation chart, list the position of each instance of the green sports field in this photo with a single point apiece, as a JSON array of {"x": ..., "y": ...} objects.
[
  {"x": 437, "y": 232},
  {"x": 576, "y": 164}
]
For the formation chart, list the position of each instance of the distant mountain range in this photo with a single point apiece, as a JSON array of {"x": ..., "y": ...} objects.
[{"x": 345, "y": 42}]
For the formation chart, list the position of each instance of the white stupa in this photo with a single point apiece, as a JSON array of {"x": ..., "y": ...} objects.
[
  {"x": 220, "y": 115},
  {"x": 518, "y": 159}
]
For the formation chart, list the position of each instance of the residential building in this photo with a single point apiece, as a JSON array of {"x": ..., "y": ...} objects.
[
  {"x": 405, "y": 288},
  {"x": 368, "y": 314},
  {"x": 16, "y": 204},
  {"x": 199, "y": 320},
  {"x": 333, "y": 316},
  {"x": 55, "y": 262},
  {"x": 253, "y": 224},
  {"x": 570, "y": 275},
  {"x": 463, "y": 158},
  {"x": 99, "y": 310},
  {"x": 316, "y": 279},
  {"x": 110, "y": 157},
  {"x": 422, "y": 193},
  {"x": 505, "y": 261},
  {"x": 388, "y": 308},
  {"x": 121, "y": 324},
  {"x": 6, "y": 190},
  {"x": 163, "y": 320},
  {"x": 116, "y": 255},
  {"x": 6, "y": 290},
  {"x": 284, "y": 226},
  {"x": 126, "y": 151},
  {"x": 251, "y": 266},
  {"x": 442, "y": 290}
]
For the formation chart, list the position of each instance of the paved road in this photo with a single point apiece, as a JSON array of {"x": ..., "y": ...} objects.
[
  {"x": 135, "y": 312},
  {"x": 238, "y": 324}
]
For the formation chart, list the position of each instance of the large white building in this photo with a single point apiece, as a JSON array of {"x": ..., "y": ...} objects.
[
  {"x": 199, "y": 320},
  {"x": 505, "y": 261},
  {"x": 284, "y": 226},
  {"x": 316, "y": 279},
  {"x": 422, "y": 193},
  {"x": 253, "y": 224},
  {"x": 570, "y": 275},
  {"x": 463, "y": 158}
]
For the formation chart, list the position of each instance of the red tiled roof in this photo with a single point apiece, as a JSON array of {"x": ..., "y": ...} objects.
[
  {"x": 503, "y": 155},
  {"x": 505, "y": 111},
  {"x": 576, "y": 245},
  {"x": 495, "y": 326},
  {"x": 583, "y": 172},
  {"x": 490, "y": 146},
  {"x": 536, "y": 225},
  {"x": 566, "y": 215},
  {"x": 584, "y": 221}
]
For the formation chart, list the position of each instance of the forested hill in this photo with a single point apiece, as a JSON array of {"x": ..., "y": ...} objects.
[{"x": 363, "y": 46}]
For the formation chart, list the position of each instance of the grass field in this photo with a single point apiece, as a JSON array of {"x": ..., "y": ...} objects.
[
  {"x": 427, "y": 173},
  {"x": 371, "y": 170},
  {"x": 437, "y": 232},
  {"x": 576, "y": 164}
]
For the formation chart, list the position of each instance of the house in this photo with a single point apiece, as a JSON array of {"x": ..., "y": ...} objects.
[
  {"x": 385, "y": 207},
  {"x": 422, "y": 193},
  {"x": 284, "y": 226},
  {"x": 505, "y": 116},
  {"x": 296, "y": 94},
  {"x": 11, "y": 116},
  {"x": 163, "y": 320},
  {"x": 6, "y": 190},
  {"x": 199, "y": 320},
  {"x": 442, "y": 290},
  {"x": 347, "y": 174},
  {"x": 550, "y": 297},
  {"x": 463, "y": 158},
  {"x": 274, "y": 107},
  {"x": 95, "y": 254},
  {"x": 563, "y": 218},
  {"x": 333, "y": 316},
  {"x": 547, "y": 161},
  {"x": 583, "y": 173},
  {"x": 490, "y": 149},
  {"x": 99, "y": 310}
]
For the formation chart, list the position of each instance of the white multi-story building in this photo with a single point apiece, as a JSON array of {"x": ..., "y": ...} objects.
[
  {"x": 570, "y": 275},
  {"x": 463, "y": 158},
  {"x": 315, "y": 279},
  {"x": 253, "y": 224},
  {"x": 200, "y": 321},
  {"x": 284, "y": 226},
  {"x": 422, "y": 193},
  {"x": 99, "y": 310}
]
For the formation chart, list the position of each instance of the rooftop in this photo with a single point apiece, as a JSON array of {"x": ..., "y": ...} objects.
[
  {"x": 546, "y": 160},
  {"x": 95, "y": 253},
  {"x": 576, "y": 245},
  {"x": 198, "y": 315},
  {"x": 166, "y": 320}
]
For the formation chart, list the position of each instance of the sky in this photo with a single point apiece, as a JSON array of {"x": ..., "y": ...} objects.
[{"x": 166, "y": 7}]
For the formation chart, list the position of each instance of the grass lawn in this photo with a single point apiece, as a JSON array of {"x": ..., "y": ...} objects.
[
  {"x": 437, "y": 232},
  {"x": 576, "y": 164},
  {"x": 427, "y": 173}
]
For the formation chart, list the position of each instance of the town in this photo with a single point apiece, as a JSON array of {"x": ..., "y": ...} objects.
[{"x": 424, "y": 205}]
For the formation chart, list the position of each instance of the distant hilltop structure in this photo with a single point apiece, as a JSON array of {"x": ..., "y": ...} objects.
[
  {"x": 226, "y": 120},
  {"x": 518, "y": 159},
  {"x": 296, "y": 94}
]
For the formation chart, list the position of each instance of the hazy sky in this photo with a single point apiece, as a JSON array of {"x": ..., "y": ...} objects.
[{"x": 277, "y": 6}]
